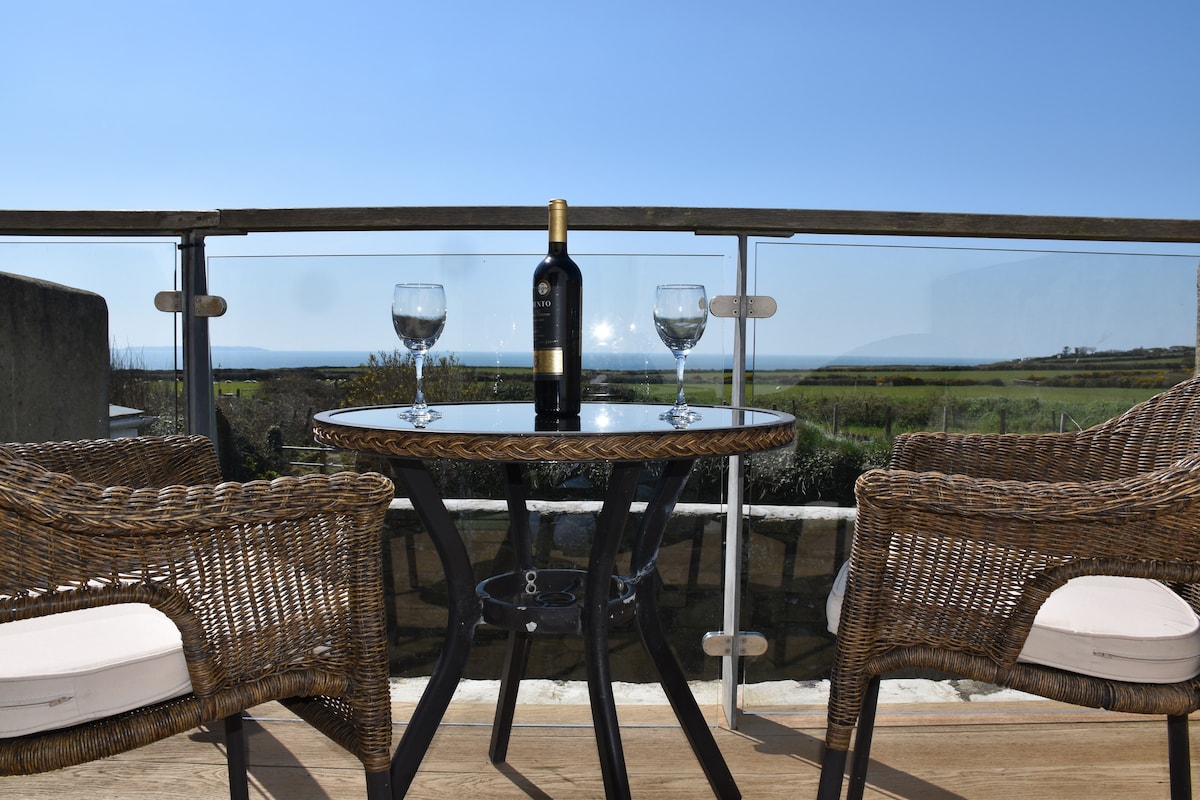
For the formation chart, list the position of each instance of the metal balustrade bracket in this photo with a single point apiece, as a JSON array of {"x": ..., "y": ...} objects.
[
  {"x": 210, "y": 305},
  {"x": 758, "y": 306},
  {"x": 207, "y": 305},
  {"x": 749, "y": 643},
  {"x": 170, "y": 302}
]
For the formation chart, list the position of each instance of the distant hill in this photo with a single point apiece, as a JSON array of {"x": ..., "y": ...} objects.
[{"x": 1141, "y": 358}]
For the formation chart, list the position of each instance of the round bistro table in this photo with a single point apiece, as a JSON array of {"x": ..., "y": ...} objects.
[{"x": 529, "y": 601}]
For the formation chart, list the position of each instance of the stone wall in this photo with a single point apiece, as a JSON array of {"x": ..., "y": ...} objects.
[{"x": 54, "y": 362}]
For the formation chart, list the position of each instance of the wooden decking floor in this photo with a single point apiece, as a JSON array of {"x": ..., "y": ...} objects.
[{"x": 933, "y": 752}]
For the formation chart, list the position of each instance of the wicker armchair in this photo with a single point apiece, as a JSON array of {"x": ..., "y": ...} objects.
[
  {"x": 275, "y": 588},
  {"x": 960, "y": 543}
]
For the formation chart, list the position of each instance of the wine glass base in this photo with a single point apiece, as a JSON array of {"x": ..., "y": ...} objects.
[
  {"x": 420, "y": 417},
  {"x": 679, "y": 416}
]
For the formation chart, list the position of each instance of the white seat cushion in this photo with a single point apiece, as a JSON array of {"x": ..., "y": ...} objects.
[
  {"x": 1126, "y": 629},
  {"x": 833, "y": 603},
  {"x": 69, "y": 668}
]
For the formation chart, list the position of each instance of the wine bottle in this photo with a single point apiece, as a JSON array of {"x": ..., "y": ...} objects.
[{"x": 557, "y": 324}]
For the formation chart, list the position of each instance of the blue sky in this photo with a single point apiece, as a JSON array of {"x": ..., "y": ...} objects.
[{"x": 1069, "y": 107}]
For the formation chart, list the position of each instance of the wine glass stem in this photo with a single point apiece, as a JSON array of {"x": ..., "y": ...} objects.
[
  {"x": 680, "y": 360},
  {"x": 419, "y": 359}
]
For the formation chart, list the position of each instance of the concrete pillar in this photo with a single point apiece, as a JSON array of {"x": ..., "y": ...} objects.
[{"x": 54, "y": 362}]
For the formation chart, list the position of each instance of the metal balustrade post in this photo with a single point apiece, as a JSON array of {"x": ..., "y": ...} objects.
[
  {"x": 200, "y": 413},
  {"x": 731, "y": 615}
]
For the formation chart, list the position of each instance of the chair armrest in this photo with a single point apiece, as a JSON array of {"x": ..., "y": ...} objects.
[
  {"x": 261, "y": 578},
  {"x": 1068, "y": 519}
]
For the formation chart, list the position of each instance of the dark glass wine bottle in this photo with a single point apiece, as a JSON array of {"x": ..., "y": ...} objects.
[{"x": 557, "y": 324}]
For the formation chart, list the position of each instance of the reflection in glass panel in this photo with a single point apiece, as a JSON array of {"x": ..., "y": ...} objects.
[
  {"x": 872, "y": 305},
  {"x": 875, "y": 340}
]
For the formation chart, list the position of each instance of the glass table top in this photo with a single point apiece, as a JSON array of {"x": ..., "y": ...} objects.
[{"x": 519, "y": 418}]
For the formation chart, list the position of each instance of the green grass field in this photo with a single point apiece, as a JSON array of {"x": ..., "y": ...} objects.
[
  {"x": 1031, "y": 394},
  {"x": 768, "y": 392}
]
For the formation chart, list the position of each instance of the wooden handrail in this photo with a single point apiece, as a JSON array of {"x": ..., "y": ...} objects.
[{"x": 731, "y": 221}]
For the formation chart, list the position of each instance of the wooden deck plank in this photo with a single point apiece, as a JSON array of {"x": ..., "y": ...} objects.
[{"x": 932, "y": 751}]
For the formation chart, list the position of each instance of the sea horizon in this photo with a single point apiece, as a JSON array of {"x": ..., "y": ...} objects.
[{"x": 169, "y": 358}]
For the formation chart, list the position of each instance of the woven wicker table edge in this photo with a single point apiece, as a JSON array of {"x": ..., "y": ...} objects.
[{"x": 636, "y": 446}]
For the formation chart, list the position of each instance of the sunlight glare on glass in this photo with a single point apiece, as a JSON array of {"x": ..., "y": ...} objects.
[{"x": 602, "y": 333}]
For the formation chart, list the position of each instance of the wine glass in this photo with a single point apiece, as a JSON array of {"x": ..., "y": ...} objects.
[
  {"x": 419, "y": 315},
  {"x": 680, "y": 314}
]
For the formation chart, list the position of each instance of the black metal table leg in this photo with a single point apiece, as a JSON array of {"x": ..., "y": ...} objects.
[
  {"x": 516, "y": 657},
  {"x": 622, "y": 484},
  {"x": 462, "y": 617},
  {"x": 654, "y": 638},
  {"x": 595, "y": 614}
]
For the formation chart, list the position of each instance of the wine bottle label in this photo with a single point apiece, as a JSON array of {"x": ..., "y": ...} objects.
[
  {"x": 549, "y": 359},
  {"x": 548, "y": 362}
]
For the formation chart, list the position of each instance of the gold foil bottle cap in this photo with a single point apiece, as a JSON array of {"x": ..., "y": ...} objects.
[{"x": 558, "y": 220}]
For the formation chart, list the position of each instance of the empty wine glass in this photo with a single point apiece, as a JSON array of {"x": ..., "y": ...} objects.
[
  {"x": 680, "y": 314},
  {"x": 419, "y": 315}
]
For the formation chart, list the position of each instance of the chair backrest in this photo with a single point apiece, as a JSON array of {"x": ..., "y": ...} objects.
[
  {"x": 139, "y": 462},
  {"x": 275, "y": 589},
  {"x": 1151, "y": 435}
]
